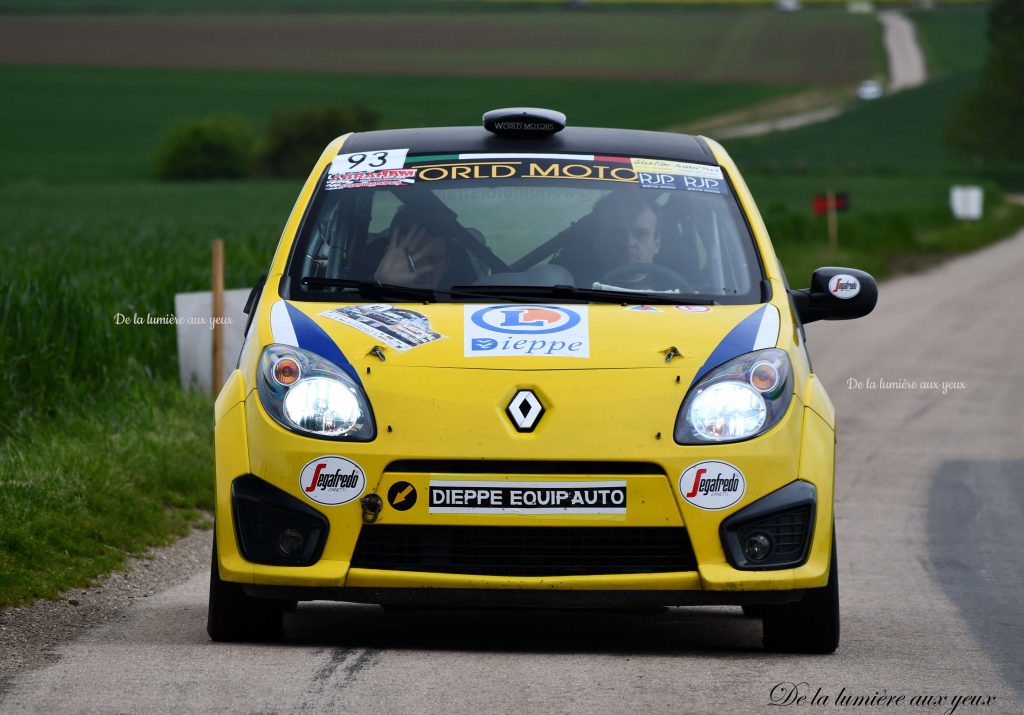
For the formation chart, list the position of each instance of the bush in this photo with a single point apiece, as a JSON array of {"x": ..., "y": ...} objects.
[
  {"x": 217, "y": 147},
  {"x": 296, "y": 139}
]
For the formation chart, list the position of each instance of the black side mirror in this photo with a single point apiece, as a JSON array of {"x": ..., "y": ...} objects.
[{"x": 836, "y": 294}]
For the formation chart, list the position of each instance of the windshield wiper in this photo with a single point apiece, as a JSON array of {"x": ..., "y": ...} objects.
[
  {"x": 378, "y": 290},
  {"x": 585, "y": 294},
  {"x": 374, "y": 288}
]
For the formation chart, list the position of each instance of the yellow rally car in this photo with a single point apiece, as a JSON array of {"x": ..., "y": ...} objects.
[{"x": 529, "y": 365}]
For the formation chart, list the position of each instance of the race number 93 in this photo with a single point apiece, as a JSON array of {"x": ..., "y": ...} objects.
[{"x": 369, "y": 161}]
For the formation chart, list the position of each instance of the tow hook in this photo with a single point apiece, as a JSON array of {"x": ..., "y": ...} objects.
[{"x": 372, "y": 504}]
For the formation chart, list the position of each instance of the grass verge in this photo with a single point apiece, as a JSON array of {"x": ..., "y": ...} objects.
[
  {"x": 101, "y": 454},
  {"x": 86, "y": 486},
  {"x": 888, "y": 242}
]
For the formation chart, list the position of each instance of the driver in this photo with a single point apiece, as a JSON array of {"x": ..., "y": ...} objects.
[{"x": 626, "y": 232}]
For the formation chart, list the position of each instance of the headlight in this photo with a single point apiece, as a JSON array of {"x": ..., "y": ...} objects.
[
  {"x": 310, "y": 395},
  {"x": 737, "y": 400}
]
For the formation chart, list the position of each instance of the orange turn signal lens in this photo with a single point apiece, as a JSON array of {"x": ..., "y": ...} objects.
[
  {"x": 286, "y": 371},
  {"x": 764, "y": 377}
]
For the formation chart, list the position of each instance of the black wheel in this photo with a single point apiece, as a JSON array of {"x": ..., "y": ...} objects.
[
  {"x": 811, "y": 625},
  {"x": 754, "y": 610},
  {"x": 233, "y": 616}
]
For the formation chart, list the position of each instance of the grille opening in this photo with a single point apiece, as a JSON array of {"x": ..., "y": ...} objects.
[{"x": 524, "y": 550}]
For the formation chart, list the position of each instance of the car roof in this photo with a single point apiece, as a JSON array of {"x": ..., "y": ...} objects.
[{"x": 571, "y": 140}]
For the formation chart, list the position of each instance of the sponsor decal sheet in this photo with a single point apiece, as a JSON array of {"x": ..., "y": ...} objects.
[
  {"x": 394, "y": 167},
  {"x": 399, "y": 328}
]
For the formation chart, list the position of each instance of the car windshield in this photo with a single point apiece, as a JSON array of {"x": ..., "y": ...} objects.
[{"x": 468, "y": 227}]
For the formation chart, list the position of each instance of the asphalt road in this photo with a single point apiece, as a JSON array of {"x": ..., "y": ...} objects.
[{"x": 930, "y": 493}]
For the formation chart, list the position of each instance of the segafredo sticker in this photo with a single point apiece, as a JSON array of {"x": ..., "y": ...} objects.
[
  {"x": 843, "y": 286},
  {"x": 332, "y": 480},
  {"x": 712, "y": 485}
]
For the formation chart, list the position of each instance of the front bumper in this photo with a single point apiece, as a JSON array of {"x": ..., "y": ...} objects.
[{"x": 800, "y": 447}]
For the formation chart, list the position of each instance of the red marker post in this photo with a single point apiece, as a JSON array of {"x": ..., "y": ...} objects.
[{"x": 830, "y": 203}]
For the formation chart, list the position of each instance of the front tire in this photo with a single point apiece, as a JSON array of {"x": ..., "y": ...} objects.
[
  {"x": 811, "y": 625},
  {"x": 234, "y": 617}
]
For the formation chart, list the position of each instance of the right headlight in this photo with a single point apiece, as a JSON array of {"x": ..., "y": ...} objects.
[
  {"x": 739, "y": 399},
  {"x": 307, "y": 394}
]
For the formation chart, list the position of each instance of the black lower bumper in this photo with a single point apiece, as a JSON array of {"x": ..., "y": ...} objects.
[{"x": 512, "y": 598}]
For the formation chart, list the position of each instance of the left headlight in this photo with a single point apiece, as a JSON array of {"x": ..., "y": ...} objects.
[
  {"x": 739, "y": 399},
  {"x": 310, "y": 395}
]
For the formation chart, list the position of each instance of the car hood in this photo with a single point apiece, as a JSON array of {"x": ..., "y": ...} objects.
[{"x": 525, "y": 337}]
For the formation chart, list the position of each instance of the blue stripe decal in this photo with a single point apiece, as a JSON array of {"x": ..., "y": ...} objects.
[
  {"x": 312, "y": 337},
  {"x": 740, "y": 340}
]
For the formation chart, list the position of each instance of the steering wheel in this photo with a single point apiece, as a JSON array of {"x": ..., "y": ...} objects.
[{"x": 652, "y": 269}]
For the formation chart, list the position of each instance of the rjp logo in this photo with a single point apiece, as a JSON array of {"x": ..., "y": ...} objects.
[{"x": 526, "y": 319}]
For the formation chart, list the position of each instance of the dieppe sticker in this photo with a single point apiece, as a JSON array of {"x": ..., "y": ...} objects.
[
  {"x": 400, "y": 328},
  {"x": 332, "y": 480},
  {"x": 702, "y": 184},
  {"x": 495, "y": 497},
  {"x": 684, "y": 168},
  {"x": 844, "y": 286},
  {"x": 712, "y": 485},
  {"x": 527, "y": 330}
]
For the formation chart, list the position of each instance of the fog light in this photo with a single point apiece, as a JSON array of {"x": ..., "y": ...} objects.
[
  {"x": 757, "y": 547},
  {"x": 290, "y": 542}
]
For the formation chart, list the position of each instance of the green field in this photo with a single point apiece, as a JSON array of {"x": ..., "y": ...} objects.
[
  {"x": 953, "y": 38},
  {"x": 74, "y": 124},
  {"x": 901, "y": 133}
]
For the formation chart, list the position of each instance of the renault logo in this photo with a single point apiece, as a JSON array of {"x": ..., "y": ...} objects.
[{"x": 525, "y": 411}]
